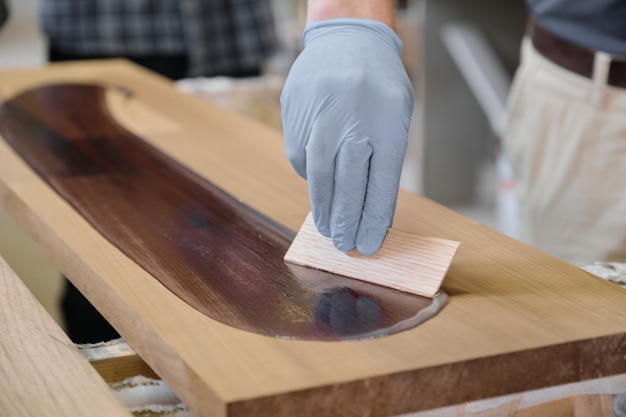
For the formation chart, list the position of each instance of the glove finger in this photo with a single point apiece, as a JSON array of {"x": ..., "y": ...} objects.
[
  {"x": 298, "y": 114},
  {"x": 351, "y": 175},
  {"x": 320, "y": 171},
  {"x": 380, "y": 201}
]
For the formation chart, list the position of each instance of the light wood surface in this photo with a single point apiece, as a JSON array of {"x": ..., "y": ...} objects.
[
  {"x": 43, "y": 374},
  {"x": 406, "y": 261},
  {"x": 517, "y": 319}
]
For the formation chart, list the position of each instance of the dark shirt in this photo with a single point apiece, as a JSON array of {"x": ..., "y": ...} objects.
[
  {"x": 595, "y": 24},
  {"x": 4, "y": 12},
  {"x": 218, "y": 36}
]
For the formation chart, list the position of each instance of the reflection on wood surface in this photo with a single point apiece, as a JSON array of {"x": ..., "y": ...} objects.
[{"x": 215, "y": 253}]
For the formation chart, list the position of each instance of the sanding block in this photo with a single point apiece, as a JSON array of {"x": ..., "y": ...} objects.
[{"x": 406, "y": 261}]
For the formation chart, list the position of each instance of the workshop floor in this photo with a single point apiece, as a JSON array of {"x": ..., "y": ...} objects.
[{"x": 21, "y": 45}]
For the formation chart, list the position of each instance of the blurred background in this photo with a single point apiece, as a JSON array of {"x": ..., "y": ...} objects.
[{"x": 460, "y": 56}]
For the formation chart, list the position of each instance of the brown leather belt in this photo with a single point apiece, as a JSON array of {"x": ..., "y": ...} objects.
[{"x": 572, "y": 57}]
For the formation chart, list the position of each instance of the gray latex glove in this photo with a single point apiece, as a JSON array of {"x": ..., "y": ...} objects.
[{"x": 346, "y": 109}]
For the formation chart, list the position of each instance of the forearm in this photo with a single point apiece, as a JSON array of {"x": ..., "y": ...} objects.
[{"x": 381, "y": 10}]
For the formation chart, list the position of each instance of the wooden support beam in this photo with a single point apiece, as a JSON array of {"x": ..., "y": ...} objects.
[
  {"x": 116, "y": 361},
  {"x": 43, "y": 374}
]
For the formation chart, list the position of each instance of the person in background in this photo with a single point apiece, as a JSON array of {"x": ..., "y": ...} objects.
[
  {"x": 347, "y": 105},
  {"x": 346, "y": 108},
  {"x": 566, "y": 137},
  {"x": 175, "y": 38}
]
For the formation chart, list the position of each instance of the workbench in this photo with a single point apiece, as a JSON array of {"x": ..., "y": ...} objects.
[{"x": 517, "y": 319}]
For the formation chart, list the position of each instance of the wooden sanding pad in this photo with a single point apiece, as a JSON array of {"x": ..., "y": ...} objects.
[{"x": 406, "y": 261}]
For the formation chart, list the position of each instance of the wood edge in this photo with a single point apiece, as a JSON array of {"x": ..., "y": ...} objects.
[{"x": 503, "y": 374}]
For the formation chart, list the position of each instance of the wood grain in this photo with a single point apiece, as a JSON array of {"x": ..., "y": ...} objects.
[
  {"x": 215, "y": 253},
  {"x": 517, "y": 319},
  {"x": 406, "y": 262},
  {"x": 43, "y": 374}
]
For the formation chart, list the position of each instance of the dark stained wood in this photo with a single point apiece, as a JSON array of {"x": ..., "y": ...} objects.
[{"x": 220, "y": 256}]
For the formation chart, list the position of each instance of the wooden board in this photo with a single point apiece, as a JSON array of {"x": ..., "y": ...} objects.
[
  {"x": 406, "y": 261},
  {"x": 43, "y": 374},
  {"x": 517, "y": 318}
]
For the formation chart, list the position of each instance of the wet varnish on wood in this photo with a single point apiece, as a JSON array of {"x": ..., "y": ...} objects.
[{"x": 217, "y": 254}]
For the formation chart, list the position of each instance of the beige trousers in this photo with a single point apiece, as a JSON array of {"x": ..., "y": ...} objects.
[{"x": 566, "y": 142}]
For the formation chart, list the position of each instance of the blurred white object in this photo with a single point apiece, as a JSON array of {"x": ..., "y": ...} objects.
[{"x": 611, "y": 271}]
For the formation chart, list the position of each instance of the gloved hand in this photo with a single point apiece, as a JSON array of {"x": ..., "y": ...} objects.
[{"x": 346, "y": 109}]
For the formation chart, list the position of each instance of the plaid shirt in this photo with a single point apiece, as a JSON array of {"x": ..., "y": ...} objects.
[{"x": 218, "y": 36}]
